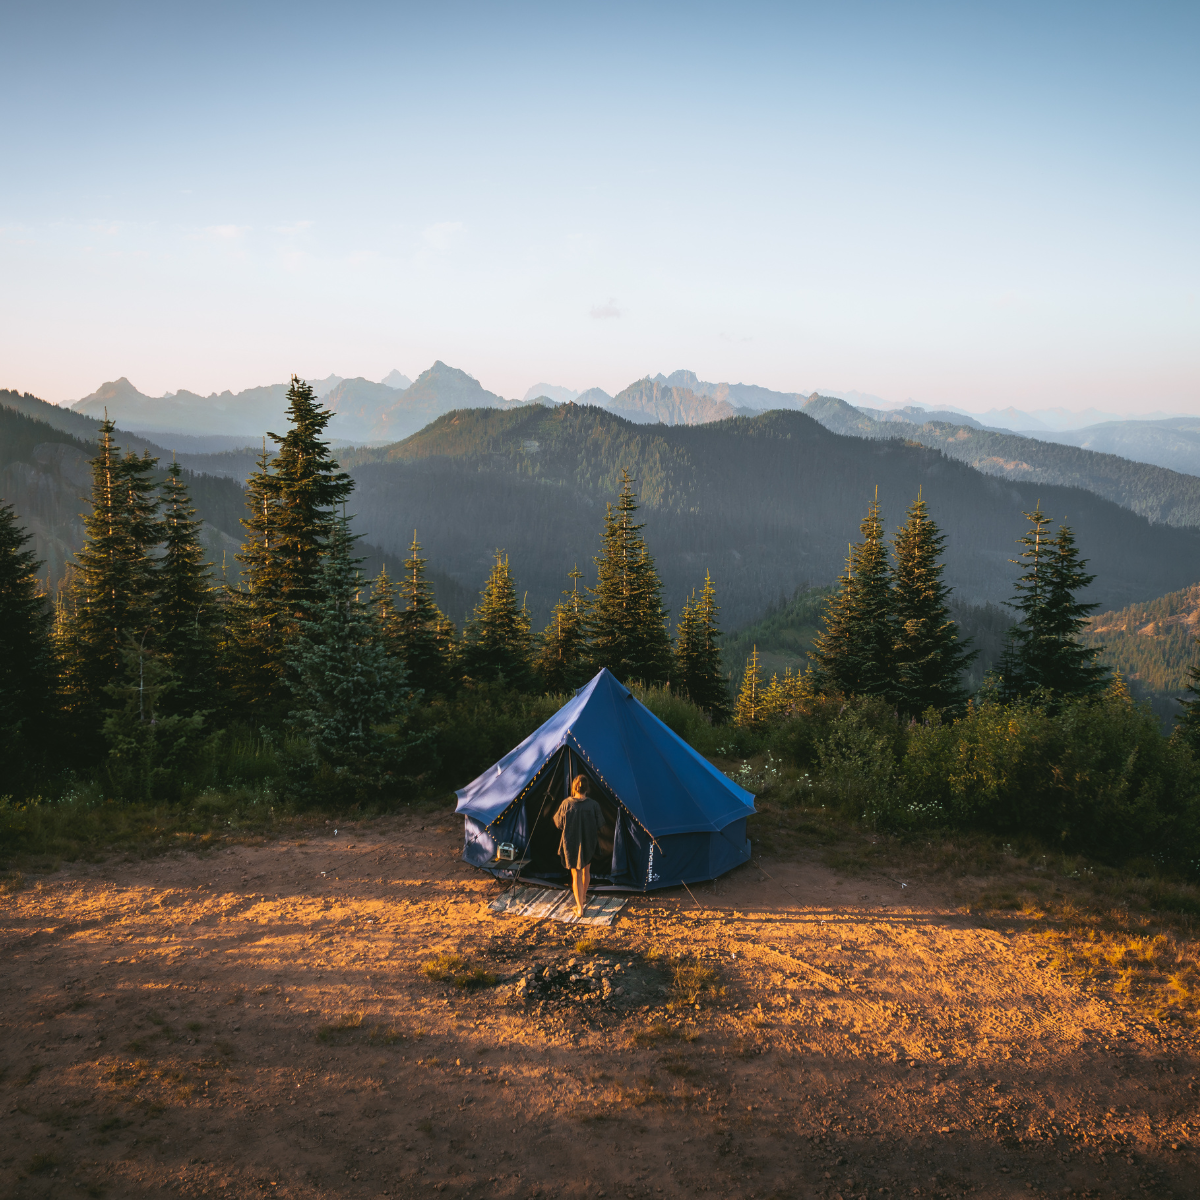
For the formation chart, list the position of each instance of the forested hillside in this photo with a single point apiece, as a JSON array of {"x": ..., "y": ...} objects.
[
  {"x": 44, "y": 474},
  {"x": 1153, "y": 644},
  {"x": 766, "y": 504},
  {"x": 1161, "y": 495}
]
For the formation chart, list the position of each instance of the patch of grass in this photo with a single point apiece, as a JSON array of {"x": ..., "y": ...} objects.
[
  {"x": 692, "y": 980},
  {"x": 112, "y": 1123},
  {"x": 661, "y": 1031},
  {"x": 11, "y": 882},
  {"x": 444, "y": 967},
  {"x": 425, "y": 1127},
  {"x": 387, "y": 1035},
  {"x": 453, "y": 968},
  {"x": 1155, "y": 969},
  {"x": 588, "y": 946},
  {"x": 345, "y": 1023},
  {"x": 39, "y": 1164},
  {"x": 195, "y": 1026}
]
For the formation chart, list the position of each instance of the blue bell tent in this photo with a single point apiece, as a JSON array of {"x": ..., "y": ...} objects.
[{"x": 670, "y": 817}]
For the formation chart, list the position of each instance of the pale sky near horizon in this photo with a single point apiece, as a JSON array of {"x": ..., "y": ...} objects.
[{"x": 979, "y": 205}]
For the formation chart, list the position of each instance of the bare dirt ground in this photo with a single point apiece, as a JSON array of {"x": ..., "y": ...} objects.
[{"x": 256, "y": 1020}]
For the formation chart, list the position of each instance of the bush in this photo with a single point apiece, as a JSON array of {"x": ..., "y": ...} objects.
[{"x": 1096, "y": 776}]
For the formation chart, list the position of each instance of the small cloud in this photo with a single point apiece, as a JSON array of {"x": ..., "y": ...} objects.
[
  {"x": 443, "y": 234},
  {"x": 226, "y": 233},
  {"x": 295, "y": 228},
  {"x": 606, "y": 312}
]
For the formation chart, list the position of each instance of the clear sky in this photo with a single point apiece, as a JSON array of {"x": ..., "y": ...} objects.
[{"x": 975, "y": 204}]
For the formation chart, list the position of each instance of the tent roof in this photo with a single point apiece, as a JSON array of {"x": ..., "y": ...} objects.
[{"x": 660, "y": 779}]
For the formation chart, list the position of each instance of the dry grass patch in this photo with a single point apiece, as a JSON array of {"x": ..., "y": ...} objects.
[
  {"x": 344, "y": 1024},
  {"x": 1154, "y": 968},
  {"x": 453, "y": 968}
]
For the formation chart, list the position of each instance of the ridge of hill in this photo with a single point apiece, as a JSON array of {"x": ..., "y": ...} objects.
[
  {"x": 767, "y": 503},
  {"x": 1152, "y": 643},
  {"x": 44, "y": 474},
  {"x": 1156, "y": 493},
  {"x": 1171, "y": 442}
]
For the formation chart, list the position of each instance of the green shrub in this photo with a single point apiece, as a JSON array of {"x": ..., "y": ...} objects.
[{"x": 1096, "y": 777}]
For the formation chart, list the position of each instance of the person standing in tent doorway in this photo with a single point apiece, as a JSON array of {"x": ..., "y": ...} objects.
[{"x": 579, "y": 818}]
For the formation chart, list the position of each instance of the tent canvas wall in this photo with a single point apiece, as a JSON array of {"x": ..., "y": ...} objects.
[{"x": 670, "y": 816}]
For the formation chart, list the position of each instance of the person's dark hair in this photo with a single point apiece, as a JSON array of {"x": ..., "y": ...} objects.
[{"x": 581, "y": 785}]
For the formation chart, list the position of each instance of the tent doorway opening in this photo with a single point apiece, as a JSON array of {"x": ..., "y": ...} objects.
[{"x": 540, "y": 805}]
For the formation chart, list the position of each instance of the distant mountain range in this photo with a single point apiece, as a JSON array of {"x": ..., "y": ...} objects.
[{"x": 1157, "y": 493}]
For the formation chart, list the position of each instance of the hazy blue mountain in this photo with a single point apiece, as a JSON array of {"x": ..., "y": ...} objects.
[
  {"x": 596, "y": 396},
  {"x": 250, "y": 414},
  {"x": 1173, "y": 442},
  {"x": 650, "y": 401},
  {"x": 366, "y": 411},
  {"x": 1155, "y": 492},
  {"x": 394, "y": 379},
  {"x": 744, "y": 396},
  {"x": 359, "y": 407},
  {"x": 551, "y": 391},
  {"x": 439, "y": 390}
]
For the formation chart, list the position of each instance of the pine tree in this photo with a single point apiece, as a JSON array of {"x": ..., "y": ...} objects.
[
  {"x": 1068, "y": 668},
  {"x": 343, "y": 681},
  {"x": 749, "y": 712},
  {"x": 420, "y": 644},
  {"x": 308, "y": 487},
  {"x": 291, "y": 506},
  {"x": 929, "y": 658},
  {"x": 562, "y": 662},
  {"x": 1187, "y": 721},
  {"x": 855, "y": 653},
  {"x": 496, "y": 641},
  {"x": 628, "y": 624},
  {"x": 699, "y": 673},
  {"x": 1042, "y": 651},
  {"x": 255, "y": 617},
  {"x": 184, "y": 609},
  {"x": 114, "y": 583},
  {"x": 26, "y": 654}
]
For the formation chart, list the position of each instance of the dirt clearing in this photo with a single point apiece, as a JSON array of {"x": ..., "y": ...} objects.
[{"x": 342, "y": 1016}]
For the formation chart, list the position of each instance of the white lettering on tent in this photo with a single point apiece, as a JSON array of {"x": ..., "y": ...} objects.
[{"x": 651, "y": 876}]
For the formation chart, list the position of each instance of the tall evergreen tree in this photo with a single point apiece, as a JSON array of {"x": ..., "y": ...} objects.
[
  {"x": 855, "y": 653},
  {"x": 184, "y": 608},
  {"x": 496, "y": 641},
  {"x": 1043, "y": 651},
  {"x": 417, "y": 622},
  {"x": 291, "y": 506},
  {"x": 628, "y": 624},
  {"x": 344, "y": 683},
  {"x": 1187, "y": 721},
  {"x": 26, "y": 655},
  {"x": 255, "y": 610},
  {"x": 114, "y": 582},
  {"x": 929, "y": 658},
  {"x": 562, "y": 661},
  {"x": 699, "y": 673}
]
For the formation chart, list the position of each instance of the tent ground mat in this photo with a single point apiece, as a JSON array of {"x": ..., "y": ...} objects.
[{"x": 551, "y": 905}]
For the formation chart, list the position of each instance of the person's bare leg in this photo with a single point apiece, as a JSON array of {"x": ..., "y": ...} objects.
[
  {"x": 579, "y": 889},
  {"x": 586, "y": 883}
]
